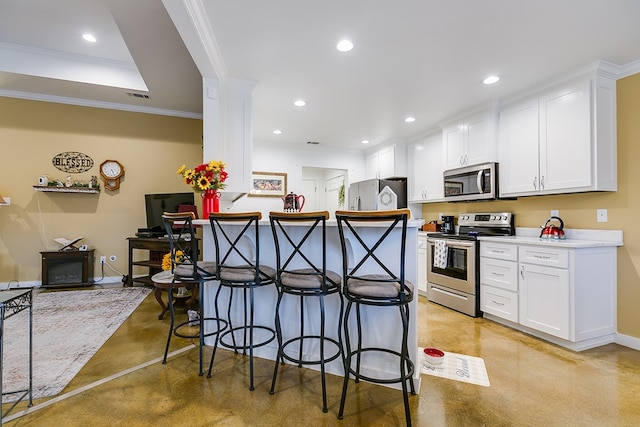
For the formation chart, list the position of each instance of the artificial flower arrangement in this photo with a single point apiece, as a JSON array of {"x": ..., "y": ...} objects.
[
  {"x": 166, "y": 260},
  {"x": 207, "y": 176}
]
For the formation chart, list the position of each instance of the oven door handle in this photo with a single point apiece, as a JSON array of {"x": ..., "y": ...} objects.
[{"x": 451, "y": 243}]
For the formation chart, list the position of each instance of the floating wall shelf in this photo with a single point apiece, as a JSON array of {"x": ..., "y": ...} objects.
[{"x": 49, "y": 189}]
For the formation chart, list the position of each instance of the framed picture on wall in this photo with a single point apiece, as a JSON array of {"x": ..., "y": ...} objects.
[{"x": 268, "y": 184}]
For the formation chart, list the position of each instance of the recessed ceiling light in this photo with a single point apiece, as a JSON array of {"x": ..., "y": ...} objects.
[
  {"x": 364, "y": 141},
  {"x": 410, "y": 119},
  {"x": 89, "y": 37},
  {"x": 491, "y": 80},
  {"x": 299, "y": 103},
  {"x": 344, "y": 46},
  {"x": 277, "y": 132}
]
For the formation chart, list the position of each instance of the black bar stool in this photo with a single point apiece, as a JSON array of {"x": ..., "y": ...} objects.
[
  {"x": 186, "y": 271},
  {"x": 301, "y": 257},
  {"x": 373, "y": 280},
  {"x": 236, "y": 237}
]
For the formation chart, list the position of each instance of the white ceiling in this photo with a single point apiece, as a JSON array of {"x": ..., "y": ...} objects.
[{"x": 424, "y": 58}]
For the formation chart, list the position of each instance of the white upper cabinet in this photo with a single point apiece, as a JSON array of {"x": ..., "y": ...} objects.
[
  {"x": 386, "y": 162},
  {"x": 560, "y": 141},
  {"x": 470, "y": 140},
  {"x": 425, "y": 179}
]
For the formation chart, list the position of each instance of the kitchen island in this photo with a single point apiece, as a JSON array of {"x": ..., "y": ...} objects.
[{"x": 384, "y": 323}]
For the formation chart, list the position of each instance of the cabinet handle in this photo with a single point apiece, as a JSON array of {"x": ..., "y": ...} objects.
[
  {"x": 541, "y": 256},
  {"x": 542, "y": 182},
  {"x": 497, "y": 274},
  {"x": 522, "y": 272},
  {"x": 535, "y": 180},
  {"x": 497, "y": 303},
  {"x": 496, "y": 251}
]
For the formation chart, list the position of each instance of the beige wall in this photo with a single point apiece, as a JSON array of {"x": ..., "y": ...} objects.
[
  {"x": 579, "y": 210},
  {"x": 150, "y": 147}
]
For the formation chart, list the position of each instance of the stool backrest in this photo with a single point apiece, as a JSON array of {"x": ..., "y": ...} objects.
[
  {"x": 296, "y": 248},
  {"x": 236, "y": 238},
  {"x": 183, "y": 243},
  {"x": 364, "y": 235}
]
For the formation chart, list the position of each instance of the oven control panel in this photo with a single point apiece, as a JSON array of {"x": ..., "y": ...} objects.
[{"x": 495, "y": 219}]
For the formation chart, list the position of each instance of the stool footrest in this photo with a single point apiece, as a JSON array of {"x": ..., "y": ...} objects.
[
  {"x": 358, "y": 376},
  {"x": 333, "y": 357},
  {"x": 245, "y": 330},
  {"x": 196, "y": 323}
]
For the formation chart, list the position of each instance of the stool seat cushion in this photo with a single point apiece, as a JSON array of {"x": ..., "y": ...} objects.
[
  {"x": 307, "y": 278},
  {"x": 375, "y": 287},
  {"x": 246, "y": 273},
  {"x": 205, "y": 268}
]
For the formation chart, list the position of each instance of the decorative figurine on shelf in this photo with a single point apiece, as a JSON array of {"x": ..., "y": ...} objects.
[
  {"x": 94, "y": 182},
  {"x": 69, "y": 181}
]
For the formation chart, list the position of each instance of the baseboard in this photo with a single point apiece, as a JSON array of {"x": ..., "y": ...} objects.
[
  {"x": 628, "y": 341},
  {"x": 14, "y": 284}
]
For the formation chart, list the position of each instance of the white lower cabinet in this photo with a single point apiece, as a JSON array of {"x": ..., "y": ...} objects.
[
  {"x": 499, "y": 280},
  {"x": 564, "y": 295},
  {"x": 422, "y": 264},
  {"x": 544, "y": 299}
]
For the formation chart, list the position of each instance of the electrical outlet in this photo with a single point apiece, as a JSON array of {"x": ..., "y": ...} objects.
[
  {"x": 113, "y": 258},
  {"x": 555, "y": 213},
  {"x": 601, "y": 215},
  {"x": 103, "y": 259},
  {"x": 440, "y": 216}
]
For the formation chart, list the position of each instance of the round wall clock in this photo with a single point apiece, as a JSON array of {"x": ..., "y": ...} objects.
[{"x": 112, "y": 171}]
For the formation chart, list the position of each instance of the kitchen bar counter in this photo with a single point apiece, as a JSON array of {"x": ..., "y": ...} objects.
[{"x": 384, "y": 323}]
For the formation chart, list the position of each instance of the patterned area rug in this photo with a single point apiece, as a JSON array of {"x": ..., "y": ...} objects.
[
  {"x": 68, "y": 328},
  {"x": 458, "y": 367}
]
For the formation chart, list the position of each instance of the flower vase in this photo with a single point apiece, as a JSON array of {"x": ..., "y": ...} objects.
[{"x": 210, "y": 203}]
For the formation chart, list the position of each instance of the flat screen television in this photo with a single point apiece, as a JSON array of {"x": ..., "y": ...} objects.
[{"x": 157, "y": 204}]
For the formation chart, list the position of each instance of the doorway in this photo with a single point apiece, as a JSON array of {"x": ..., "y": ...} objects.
[{"x": 324, "y": 187}]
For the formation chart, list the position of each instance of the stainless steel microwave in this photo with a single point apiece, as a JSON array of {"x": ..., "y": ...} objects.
[{"x": 475, "y": 182}]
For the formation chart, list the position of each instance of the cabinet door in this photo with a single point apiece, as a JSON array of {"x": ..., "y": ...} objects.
[
  {"x": 425, "y": 170},
  {"x": 518, "y": 149},
  {"x": 371, "y": 165},
  {"x": 417, "y": 172},
  {"x": 454, "y": 146},
  {"x": 565, "y": 138},
  {"x": 387, "y": 162},
  {"x": 422, "y": 263},
  {"x": 479, "y": 147},
  {"x": 544, "y": 299}
]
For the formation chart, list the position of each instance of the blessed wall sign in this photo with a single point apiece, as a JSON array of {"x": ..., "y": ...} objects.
[{"x": 72, "y": 162}]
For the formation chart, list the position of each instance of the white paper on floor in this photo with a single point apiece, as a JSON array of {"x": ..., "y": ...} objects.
[{"x": 458, "y": 367}]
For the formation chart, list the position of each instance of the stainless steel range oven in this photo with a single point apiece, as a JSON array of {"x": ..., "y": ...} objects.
[{"x": 453, "y": 260}]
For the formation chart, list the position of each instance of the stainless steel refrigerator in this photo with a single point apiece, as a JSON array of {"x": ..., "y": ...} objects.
[{"x": 363, "y": 195}]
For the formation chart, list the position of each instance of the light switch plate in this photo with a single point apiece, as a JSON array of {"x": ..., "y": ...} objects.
[{"x": 7, "y": 201}]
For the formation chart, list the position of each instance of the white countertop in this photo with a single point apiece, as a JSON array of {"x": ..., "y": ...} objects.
[{"x": 576, "y": 238}]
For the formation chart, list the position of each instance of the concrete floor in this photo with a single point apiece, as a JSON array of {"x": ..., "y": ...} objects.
[{"x": 533, "y": 383}]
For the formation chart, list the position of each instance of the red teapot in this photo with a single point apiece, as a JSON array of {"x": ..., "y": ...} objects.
[{"x": 292, "y": 202}]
